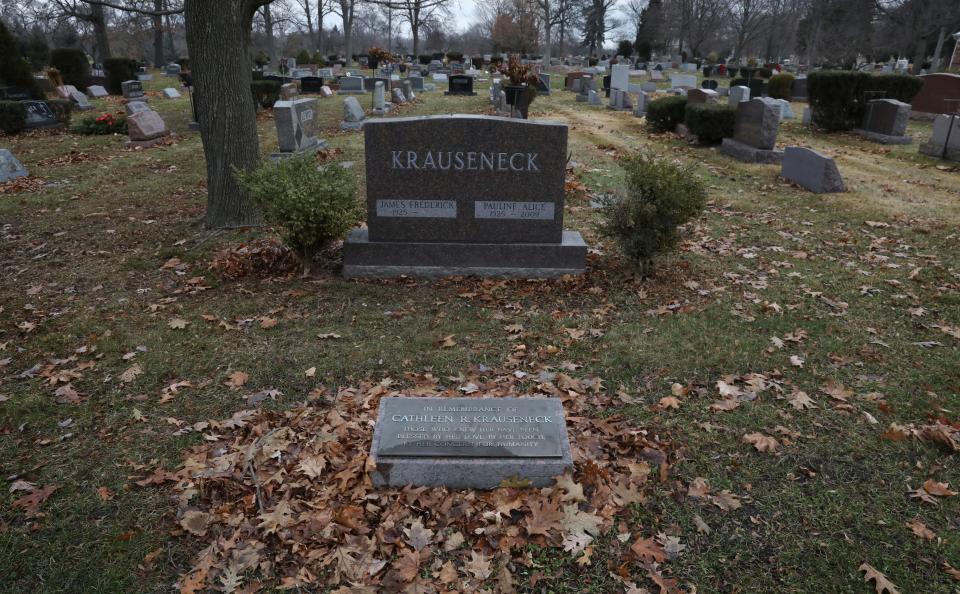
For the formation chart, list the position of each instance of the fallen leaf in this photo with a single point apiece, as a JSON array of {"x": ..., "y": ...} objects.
[
  {"x": 177, "y": 323},
  {"x": 237, "y": 380},
  {"x": 883, "y": 585},
  {"x": 195, "y": 522},
  {"x": 920, "y": 529},
  {"x": 763, "y": 443}
]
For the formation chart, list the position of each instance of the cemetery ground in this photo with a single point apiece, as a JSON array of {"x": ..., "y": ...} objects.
[{"x": 791, "y": 374}]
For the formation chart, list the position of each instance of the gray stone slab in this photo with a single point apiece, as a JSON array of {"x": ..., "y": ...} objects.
[
  {"x": 132, "y": 89},
  {"x": 39, "y": 115},
  {"x": 945, "y": 140},
  {"x": 749, "y": 154},
  {"x": 882, "y": 138},
  {"x": 352, "y": 85},
  {"x": 135, "y": 107},
  {"x": 352, "y": 111},
  {"x": 296, "y": 123},
  {"x": 465, "y": 158},
  {"x": 146, "y": 125},
  {"x": 738, "y": 94},
  {"x": 97, "y": 91},
  {"x": 469, "y": 472},
  {"x": 171, "y": 93},
  {"x": 756, "y": 123},
  {"x": 811, "y": 170},
  {"x": 10, "y": 167},
  {"x": 382, "y": 259},
  {"x": 886, "y": 117},
  {"x": 80, "y": 100},
  {"x": 470, "y": 428}
]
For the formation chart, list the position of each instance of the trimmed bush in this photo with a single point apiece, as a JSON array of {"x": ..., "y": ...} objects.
[
  {"x": 665, "y": 113},
  {"x": 764, "y": 72},
  {"x": 660, "y": 196},
  {"x": 312, "y": 206},
  {"x": 72, "y": 64},
  {"x": 13, "y": 117},
  {"x": 119, "y": 70},
  {"x": 455, "y": 56},
  {"x": 265, "y": 92},
  {"x": 303, "y": 57},
  {"x": 781, "y": 86},
  {"x": 106, "y": 123},
  {"x": 14, "y": 70},
  {"x": 424, "y": 59},
  {"x": 62, "y": 109},
  {"x": 838, "y": 97},
  {"x": 710, "y": 122}
]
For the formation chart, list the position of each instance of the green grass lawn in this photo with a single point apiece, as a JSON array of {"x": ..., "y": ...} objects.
[{"x": 774, "y": 291}]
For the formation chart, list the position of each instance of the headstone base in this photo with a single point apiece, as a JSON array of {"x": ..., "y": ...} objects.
[
  {"x": 748, "y": 154},
  {"x": 194, "y": 125},
  {"x": 936, "y": 150},
  {"x": 365, "y": 258},
  {"x": 148, "y": 143},
  {"x": 352, "y": 125},
  {"x": 281, "y": 155},
  {"x": 615, "y": 108},
  {"x": 582, "y": 98},
  {"x": 882, "y": 138},
  {"x": 459, "y": 94}
]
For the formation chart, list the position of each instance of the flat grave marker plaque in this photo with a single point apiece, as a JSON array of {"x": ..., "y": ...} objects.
[{"x": 469, "y": 442}]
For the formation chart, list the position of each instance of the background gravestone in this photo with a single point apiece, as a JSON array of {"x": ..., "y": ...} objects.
[
  {"x": 171, "y": 93},
  {"x": 132, "y": 89},
  {"x": 296, "y": 123},
  {"x": 885, "y": 121},
  {"x": 97, "y": 91},
  {"x": 39, "y": 115},
  {"x": 135, "y": 107},
  {"x": 811, "y": 170},
  {"x": 353, "y": 116},
  {"x": 460, "y": 84},
  {"x": 755, "y": 132},
  {"x": 10, "y": 167},
  {"x": 145, "y": 127},
  {"x": 945, "y": 140}
]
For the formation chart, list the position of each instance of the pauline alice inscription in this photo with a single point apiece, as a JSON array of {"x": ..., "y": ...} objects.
[{"x": 523, "y": 427}]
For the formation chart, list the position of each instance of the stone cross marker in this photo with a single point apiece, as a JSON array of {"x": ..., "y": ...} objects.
[
  {"x": 462, "y": 443},
  {"x": 464, "y": 194}
]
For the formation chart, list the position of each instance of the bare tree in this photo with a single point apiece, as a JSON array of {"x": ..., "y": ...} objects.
[
  {"x": 749, "y": 20},
  {"x": 94, "y": 14},
  {"x": 417, "y": 14}
]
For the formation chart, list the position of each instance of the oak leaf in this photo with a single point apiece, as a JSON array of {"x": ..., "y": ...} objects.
[
  {"x": 882, "y": 584},
  {"x": 938, "y": 489},
  {"x": 30, "y": 504},
  {"x": 762, "y": 443},
  {"x": 418, "y": 537},
  {"x": 543, "y": 518},
  {"x": 920, "y": 529},
  {"x": 478, "y": 565},
  {"x": 649, "y": 550},
  {"x": 177, "y": 323},
  {"x": 195, "y": 522},
  {"x": 407, "y": 565},
  {"x": 800, "y": 400}
]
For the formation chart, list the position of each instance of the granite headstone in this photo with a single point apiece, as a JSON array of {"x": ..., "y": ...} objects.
[
  {"x": 10, "y": 167},
  {"x": 811, "y": 170}
]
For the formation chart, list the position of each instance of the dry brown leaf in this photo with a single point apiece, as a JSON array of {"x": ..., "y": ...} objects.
[
  {"x": 762, "y": 443},
  {"x": 649, "y": 550},
  {"x": 478, "y": 565},
  {"x": 237, "y": 380},
  {"x": 882, "y": 584},
  {"x": 195, "y": 522},
  {"x": 178, "y": 323},
  {"x": 920, "y": 529}
]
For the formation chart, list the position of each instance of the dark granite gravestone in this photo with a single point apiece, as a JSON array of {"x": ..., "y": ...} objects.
[
  {"x": 571, "y": 77},
  {"x": 10, "y": 168},
  {"x": 464, "y": 194},
  {"x": 416, "y": 82},
  {"x": 132, "y": 89},
  {"x": 39, "y": 115},
  {"x": 755, "y": 132},
  {"x": 885, "y": 121},
  {"x": 461, "y": 443},
  {"x": 311, "y": 84},
  {"x": 811, "y": 170},
  {"x": 711, "y": 85},
  {"x": 13, "y": 94},
  {"x": 460, "y": 84},
  {"x": 606, "y": 85},
  {"x": 799, "y": 89},
  {"x": 543, "y": 83},
  {"x": 296, "y": 127}
]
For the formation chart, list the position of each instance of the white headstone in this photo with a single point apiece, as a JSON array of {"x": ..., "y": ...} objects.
[
  {"x": 738, "y": 94},
  {"x": 620, "y": 77}
]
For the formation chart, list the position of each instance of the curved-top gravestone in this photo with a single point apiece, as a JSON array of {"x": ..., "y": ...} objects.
[{"x": 464, "y": 194}]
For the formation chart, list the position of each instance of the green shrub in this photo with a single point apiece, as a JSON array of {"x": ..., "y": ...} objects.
[
  {"x": 303, "y": 57},
  {"x": 62, "y": 109},
  {"x": 265, "y": 92},
  {"x": 184, "y": 63},
  {"x": 13, "y": 117},
  {"x": 764, "y": 72},
  {"x": 660, "y": 196},
  {"x": 72, "y": 64},
  {"x": 14, "y": 70},
  {"x": 838, "y": 97},
  {"x": 711, "y": 122},
  {"x": 312, "y": 206},
  {"x": 106, "y": 123},
  {"x": 118, "y": 71},
  {"x": 665, "y": 113},
  {"x": 781, "y": 86}
]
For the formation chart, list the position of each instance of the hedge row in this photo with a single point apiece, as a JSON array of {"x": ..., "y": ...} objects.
[
  {"x": 119, "y": 70},
  {"x": 838, "y": 97},
  {"x": 710, "y": 122},
  {"x": 665, "y": 113}
]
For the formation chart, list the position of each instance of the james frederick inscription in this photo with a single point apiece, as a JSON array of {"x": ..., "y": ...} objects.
[{"x": 477, "y": 442}]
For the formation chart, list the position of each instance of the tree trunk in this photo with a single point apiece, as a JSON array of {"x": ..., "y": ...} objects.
[
  {"x": 99, "y": 21},
  {"x": 218, "y": 35},
  {"x": 309, "y": 18},
  {"x": 346, "y": 9},
  {"x": 268, "y": 28},
  {"x": 158, "y": 60},
  {"x": 320, "y": 27},
  {"x": 938, "y": 52}
]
